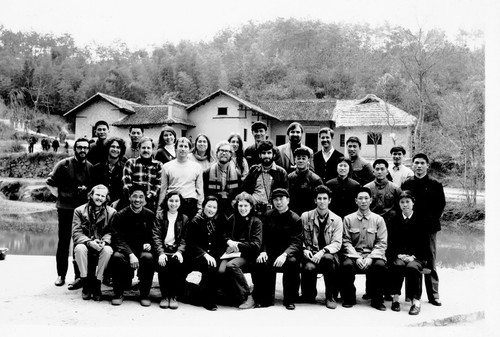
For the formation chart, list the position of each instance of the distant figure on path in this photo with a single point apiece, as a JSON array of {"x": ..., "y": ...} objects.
[{"x": 55, "y": 144}]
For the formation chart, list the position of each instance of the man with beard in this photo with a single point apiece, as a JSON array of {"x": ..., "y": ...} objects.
[
  {"x": 92, "y": 240},
  {"x": 69, "y": 181},
  {"x": 110, "y": 172},
  {"x": 132, "y": 242},
  {"x": 135, "y": 133},
  {"x": 362, "y": 170},
  {"x": 184, "y": 176},
  {"x": 222, "y": 179},
  {"x": 294, "y": 132},
  {"x": 262, "y": 179},
  {"x": 144, "y": 171},
  {"x": 97, "y": 151},
  {"x": 325, "y": 160},
  {"x": 429, "y": 202}
]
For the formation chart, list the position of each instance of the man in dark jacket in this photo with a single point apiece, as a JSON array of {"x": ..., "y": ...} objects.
[
  {"x": 132, "y": 245},
  {"x": 325, "y": 160},
  {"x": 281, "y": 249},
  {"x": 262, "y": 179},
  {"x": 69, "y": 181},
  {"x": 97, "y": 151},
  {"x": 429, "y": 203}
]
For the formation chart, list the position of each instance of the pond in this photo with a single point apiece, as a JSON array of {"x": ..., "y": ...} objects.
[{"x": 455, "y": 248}]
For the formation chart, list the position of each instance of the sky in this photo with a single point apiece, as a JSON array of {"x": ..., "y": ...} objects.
[{"x": 146, "y": 23}]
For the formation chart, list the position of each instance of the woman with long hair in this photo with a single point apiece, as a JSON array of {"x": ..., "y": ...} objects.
[
  {"x": 202, "y": 152},
  {"x": 242, "y": 238},
  {"x": 166, "y": 145},
  {"x": 238, "y": 158},
  {"x": 169, "y": 243},
  {"x": 204, "y": 242}
]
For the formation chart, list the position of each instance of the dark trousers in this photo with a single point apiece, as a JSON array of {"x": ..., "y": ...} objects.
[
  {"x": 65, "y": 224},
  {"x": 328, "y": 266},
  {"x": 411, "y": 271},
  {"x": 233, "y": 275},
  {"x": 432, "y": 279},
  {"x": 264, "y": 280},
  {"x": 122, "y": 273},
  {"x": 375, "y": 276},
  {"x": 209, "y": 277},
  {"x": 189, "y": 207},
  {"x": 171, "y": 278}
]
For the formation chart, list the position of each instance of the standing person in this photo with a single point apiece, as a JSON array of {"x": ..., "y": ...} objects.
[
  {"x": 322, "y": 244},
  {"x": 110, "y": 172},
  {"x": 98, "y": 152},
  {"x": 55, "y": 145},
  {"x": 238, "y": 157},
  {"x": 202, "y": 152},
  {"x": 263, "y": 178},
  {"x": 429, "y": 202},
  {"x": 31, "y": 141},
  {"x": 344, "y": 189},
  {"x": 184, "y": 176},
  {"x": 281, "y": 249},
  {"x": 169, "y": 242},
  {"x": 259, "y": 130},
  {"x": 144, "y": 171},
  {"x": 166, "y": 145},
  {"x": 362, "y": 170},
  {"x": 364, "y": 243},
  {"x": 45, "y": 144},
  {"x": 204, "y": 249},
  {"x": 294, "y": 132},
  {"x": 301, "y": 183},
  {"x": 92, "y": 240},
  {"x": 407, "y": 254},
  {"x": 135, "y": 133},
  {"x": 222, "y": 179},
  {"x": 242, "y": 237},
  {"x": 69, "y": 181},
  {"x": 132, "y": 243},
  {"x": 385, "y": 194},
  {"x": 398, "y": 171},
  {"x": 325, "y": 160}
]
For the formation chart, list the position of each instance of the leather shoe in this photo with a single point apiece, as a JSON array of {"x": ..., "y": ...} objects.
[
  {"x": 331, "y": 304},
  {"x": 210, "y": 306},
  {"x": 290, "y": 306},
  {"x": 164, "y": 303},
  {"x": 59, "y": 281},
  {"x": 366, "y": 296},
  {"x": 76, "y": 284},
  {"x": 378, "y": 305},
  {"x": 414, "y": 310},
  {"x": 145, "y": 302},
  {"x": 436, "y": 302},
  {"x": 248, "y": 304},
  {"x": 117, "y": 300},
  {"x": 348, "y": 304},
  {"x": 395, "y": 306},
  {"x": 263, "y": 304},
  {"x": 172, "y": 303}
]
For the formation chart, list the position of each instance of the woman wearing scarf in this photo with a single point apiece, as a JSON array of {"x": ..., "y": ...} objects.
[{"x": 202, "y": 152}]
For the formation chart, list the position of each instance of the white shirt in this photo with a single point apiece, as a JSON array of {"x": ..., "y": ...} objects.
[
  {"x": 400, "y": 173},
  {"x": 327, "y": 155}
]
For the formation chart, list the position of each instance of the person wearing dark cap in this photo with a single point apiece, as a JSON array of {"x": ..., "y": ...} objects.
[
  {"x": 398, "y": 171},
  {"x": 263, "y": 178},
  {"x": 295, "y": 131},
  {"x": 301, "y": 183},
  {"x": 132, "y": 242},
  {"x": 429, "y": 202},
  {"x": 362, "y": 170},
  {"x": 280, "y": 251},
  {"x": 259, "y": 130},
  {"x": 98, "y": 152},
  {"x": 166, "y": 145}
]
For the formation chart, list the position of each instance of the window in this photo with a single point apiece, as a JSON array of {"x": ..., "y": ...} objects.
[
  {"x": 374, "y": 138},
  {"x": 245, "y": 133},
  {"x": 342, "y": 140},
  {"x": 280, "y": 140},
  {"x": 183, "y": 133},
  {"x": 222, "y": 111}
]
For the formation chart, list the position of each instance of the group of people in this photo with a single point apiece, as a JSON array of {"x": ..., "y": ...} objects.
[{"x": 227, "y": 211}]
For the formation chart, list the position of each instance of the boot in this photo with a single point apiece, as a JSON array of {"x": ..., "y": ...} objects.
[
  {"x": 97, "y": 291},
  {"x": 86, "y": 291}
]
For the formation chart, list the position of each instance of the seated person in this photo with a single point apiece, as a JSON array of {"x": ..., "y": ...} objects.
[{"x": 92, "y": 238}]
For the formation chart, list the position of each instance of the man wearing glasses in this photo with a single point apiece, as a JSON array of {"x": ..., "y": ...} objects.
[
  {"x": 70, "y": 182},
  {"x": 222, "y": 179}
]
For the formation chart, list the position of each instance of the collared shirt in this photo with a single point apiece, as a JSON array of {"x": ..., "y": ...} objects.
[
  {"x": 145, "y": 172},
  {"x": 400, "y": 173},
  {"x": 365, "y": 235},
  {"x": 362, "y": 171},
  {"x": 385, "y": 196},
  {"x": 327, "y": 155},
  {"x": 262, "y": 193}
]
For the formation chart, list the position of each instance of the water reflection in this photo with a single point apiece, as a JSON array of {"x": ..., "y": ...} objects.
[{"x": 454, "y": 248}]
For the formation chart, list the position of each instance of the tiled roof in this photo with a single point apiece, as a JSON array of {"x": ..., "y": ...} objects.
[
  {"x": 370, "y": 111},
  {"x": 240, "y": 100},
  {"x": 301, "y": 110},
  {"x": 122, "y": 104},
  {"x": 151, "y": 115}
]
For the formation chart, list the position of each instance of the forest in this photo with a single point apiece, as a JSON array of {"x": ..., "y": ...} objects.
[{"x": 424, "y": 72}]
